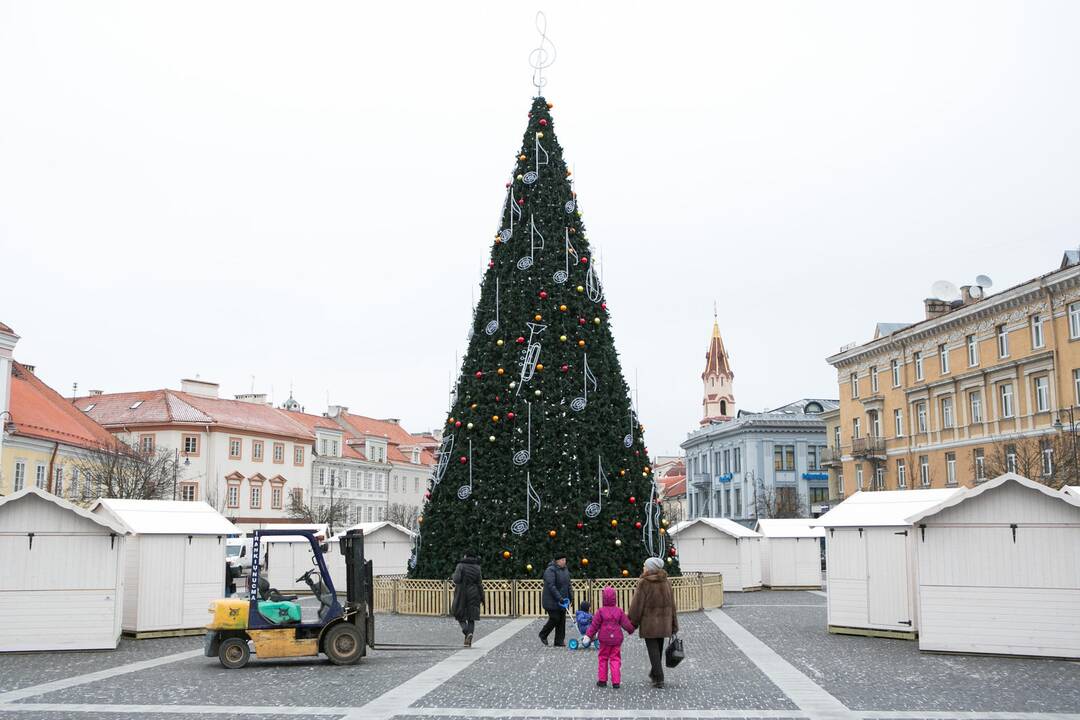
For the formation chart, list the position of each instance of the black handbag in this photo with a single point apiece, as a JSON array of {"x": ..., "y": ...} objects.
[{"x": 674, "y": 653}]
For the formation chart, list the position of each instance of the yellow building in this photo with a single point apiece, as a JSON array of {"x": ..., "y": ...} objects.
[
  {"x": 832, "y": 455},
  {"x": 43, "y": 437},
  {"x": 983, "y": 384}
]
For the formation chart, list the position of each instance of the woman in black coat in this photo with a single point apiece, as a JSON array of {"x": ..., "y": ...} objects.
[{"x": 468, "y": 595}]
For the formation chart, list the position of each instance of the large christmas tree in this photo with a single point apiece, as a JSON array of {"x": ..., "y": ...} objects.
[{"x": 542, "y": 452}]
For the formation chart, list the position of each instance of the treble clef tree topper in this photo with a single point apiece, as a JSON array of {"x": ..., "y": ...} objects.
[{"x": 543, "y": 56}]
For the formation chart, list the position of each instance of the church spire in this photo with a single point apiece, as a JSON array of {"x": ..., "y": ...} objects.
[{"x": 718, "y": 402}]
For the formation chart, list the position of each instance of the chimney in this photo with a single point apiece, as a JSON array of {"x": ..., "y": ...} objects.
[
  {"x": 336, "y": 410},
  {"x": 202, "y": 388},
  {"x": 253, "y": 398},
  {"x": 396, "y": 421},
  {"x": 966, "y": 298},
  {"x": 30, "y": 368},
  {"x": 95, "y": 393},
  {"x": 936, "y": 308}
]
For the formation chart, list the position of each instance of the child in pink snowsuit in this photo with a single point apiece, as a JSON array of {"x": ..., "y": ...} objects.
[{"x": 607, "y": 626}]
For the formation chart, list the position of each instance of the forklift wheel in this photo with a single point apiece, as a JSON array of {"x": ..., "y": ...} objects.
[
  {"x": 343, "y": 644},
  {"x": 234, "y": 653}
]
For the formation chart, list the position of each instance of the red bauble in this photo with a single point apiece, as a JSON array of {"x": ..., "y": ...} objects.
[
  {"x": 463, "y": 459},
  {"x": 543, "y": 121},
  {"x": 479, "y": 373},
  {"x": 581, "y": 321},
  {"x": 584, "y": 260},
  {"x": 520, "y": 340},
  {"x": 671, "y": 552},
  {"x": 543, "y": 294},
  {"x": 457, "y": 424},
  {"x": 603, "y": 306},
  {"x": 521, "y": 201},
  {"x": 637, "y": 525},
  {"x": 507, "y": 184},
  {"x": 428, "y": 495},
  {"x": 636, "y": 453},
  {"x": 509, "y": 416},
  {"x": 633, "y": 499},
  {"x": 580, "y": 525},
  {"x": 565, "y": 368},
  {"x": 491, "y": 263}
]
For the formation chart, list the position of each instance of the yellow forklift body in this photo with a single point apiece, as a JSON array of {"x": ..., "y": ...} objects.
[
  {"x": 229, "y": 614},
  {"x": 282, "y": 643}
]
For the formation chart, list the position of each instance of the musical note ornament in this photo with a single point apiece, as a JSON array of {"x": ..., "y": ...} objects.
[
  {"x": 541, "y": 156},
  {"x": 465, "y": 491},
  {"x": 628, "y": 439},
  {"x": 593, "y": 509},
  {"x": 561, "y": 276},
  {"x": 515, "y": 211},
  {"x": 443, "y": 455},
  {"x": 493, "y": 325},
  {"x": 578, "y": 404},
  {"x": 522, "y": 456},
  {"x": 521, "y": 525},
  {"x": 536, "y": 242}
]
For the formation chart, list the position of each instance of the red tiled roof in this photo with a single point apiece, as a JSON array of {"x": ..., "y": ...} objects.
[
  {"x": 38, "y": 411},
  {"x": 359, "y": 426},
  {"x": 5, "y": 328},
  {"x": 311, "y": 422},
  {"x": 673, "y": 486},
  {"x": 171, "y": 407}
]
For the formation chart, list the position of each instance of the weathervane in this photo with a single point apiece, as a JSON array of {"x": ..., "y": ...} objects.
[{"x": 540, "y": 58}]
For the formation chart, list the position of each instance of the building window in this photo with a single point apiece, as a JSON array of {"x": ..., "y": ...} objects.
[
  {"x": 1042, "y": 394},
  {"x": 416, "y": 484},
  {"x": 1003, "y": 341},
  {"x": 859, "y": 477},
  {"x": 856, "y": 428},
  {"x": 736, "y": 463},
  {"x": 840, "y": 484},
  {"x": 236, "y": 446},
  {"x": 334, "y": 448},
  {"x": 233, "y": 496},
  {"x": 1074, "y": 321},
  {"x": 898, "y": 422},
  {"x": 836, "y": 437},
  {"x": 975, "y": 403},
  {"x": 873, "y": 379},
  {"x": 58, "y": 480},
  {"x": 1047, "y": 458},
  {"x": 190, "y": 445},
  {"x": 920, "y": 414},
  {"x": 783, "y": 457},
  {"x": 854, "y": 385},
  {"x": 1037, "y": 340},
  {"x": 1006, "y": 396},
  {"x": 1076, "y": 386},
  {"x": 812, "y": 457},
  {"x": 924, "y": 469},
  {"x": 901, "y": 473},
  {"x": 382, "y": 512},
  {"x": 1010, "y": 458},
  {"x": 896, "y": 373},
  {"x": 918, "y": 365},
  {"x": 950, "y": 468},
  {"x": 394, "y": 485},
  {"x": 39, "y": 476},
  {"x": 298, "y": 455},
  {"x": 946, "y": 412},
  {"x": 75, "y": 484},
  {"x": 279, "y": 452},
  {"x": 980, "y": 464},
  {"x": 296, "y": 496},
  {"x": 322, "y": 477},
  {"x": 256, "y": 496},
  {"x": 146, "y": 444},
  {"x": 188, "y": 491},
  {"x": 257, "y": 450},
  {"x": 879, "y": 477},
  {"x": 943, "y": 354},
  {"x": 973, "y": 351}
]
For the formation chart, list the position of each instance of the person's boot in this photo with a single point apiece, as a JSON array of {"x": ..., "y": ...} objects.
[
  {"x": 543, "y": 639},
  {"x": 468, "y": 640},
  {"x": 602, "y": 683}
]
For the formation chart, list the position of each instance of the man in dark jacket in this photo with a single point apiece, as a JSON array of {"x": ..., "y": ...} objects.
[
  {"x": 556, "y": 600},
  {"x": 468, "y": 595}
]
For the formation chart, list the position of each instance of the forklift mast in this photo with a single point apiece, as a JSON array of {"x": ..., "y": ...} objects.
[{"x": 359, "y": 587}]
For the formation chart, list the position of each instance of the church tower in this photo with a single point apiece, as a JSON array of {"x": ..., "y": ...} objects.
[{"x": 718, "y": 403}]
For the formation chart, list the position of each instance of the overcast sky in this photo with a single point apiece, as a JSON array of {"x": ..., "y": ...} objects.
[{"x": 305, "y": 193}]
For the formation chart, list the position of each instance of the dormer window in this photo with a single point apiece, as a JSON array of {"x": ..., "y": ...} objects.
[
  {"x": 89, "y": 407},
  {"x": 134, "y": 405}
]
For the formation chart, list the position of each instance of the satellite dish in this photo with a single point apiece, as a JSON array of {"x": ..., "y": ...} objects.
[
  {"x": 944, "y": 290},
  {"x": 976, "y": 292},
  {"x": 984, "y": 281}
]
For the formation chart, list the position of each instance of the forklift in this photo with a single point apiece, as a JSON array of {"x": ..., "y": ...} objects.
[{"x": 273, "y": 626}]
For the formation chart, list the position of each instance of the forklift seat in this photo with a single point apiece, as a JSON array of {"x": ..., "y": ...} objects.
[{"x": 280, "y": 613}]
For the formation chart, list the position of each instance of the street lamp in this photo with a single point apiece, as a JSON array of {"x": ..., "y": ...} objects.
[{"x": 1059, "y": 426}]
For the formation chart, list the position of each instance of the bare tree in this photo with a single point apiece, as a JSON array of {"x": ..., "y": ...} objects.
[
  {"x": 404, "y": 515},
  {"x": 1050, "y": 459},
  {"x": 774, "y": 501},
  {"x": 118, "y": 470},
  {"x": 334, "y": 513},
  {"x": 674, "y": 510}
]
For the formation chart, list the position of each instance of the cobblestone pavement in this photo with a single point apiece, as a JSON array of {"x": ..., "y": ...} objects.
[{"x": 766, "y": 656}]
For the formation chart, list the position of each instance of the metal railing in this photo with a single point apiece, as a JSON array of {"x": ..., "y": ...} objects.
[{"x": 868, "y": 447}]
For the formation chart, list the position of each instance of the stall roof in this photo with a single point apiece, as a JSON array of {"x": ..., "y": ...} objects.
[
  {"x": 989, "y": 485},
  {"x": 724, "y": 525},
  {"x": 166, "y": 517},
  {"x": 320, "y": 530},
  {"x": 1073, "y": 490},
  {"x": 373, "y": 527},
  {"x": 884, "y": 508},
  {"x": 789, "y": 528},
  {"x": 106, "y": 522}
]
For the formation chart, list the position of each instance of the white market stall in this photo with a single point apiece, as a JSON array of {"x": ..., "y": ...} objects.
[
  {"x": 870, "y": 561},
  {"x": 790, "y": 554},
  {"x": 287, "y": 557},
  {"x": 999, "y": 571},
  {"x": 1073, "y": 490},
  {"x": 720, "y": 545},
  {"x": 387, "y": 545},
  {"x": 62, "y": 583},
  {"x": 174, "y": 563}
]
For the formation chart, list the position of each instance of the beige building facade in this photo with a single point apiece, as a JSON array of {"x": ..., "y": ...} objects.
[{"x": 938, "y": 402}]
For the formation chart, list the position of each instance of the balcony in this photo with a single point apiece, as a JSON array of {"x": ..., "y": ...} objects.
[
  {"x": 831, "y": 457},
  {"x": 872, "y": 448},
  {"x": 702, "y": 480}
]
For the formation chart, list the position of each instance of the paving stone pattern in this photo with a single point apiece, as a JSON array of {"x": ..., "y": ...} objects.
[
  {"x": 883, "y": 674},
  {"x": 522, "y": 673},
  {"x": 769, "y": 597}
]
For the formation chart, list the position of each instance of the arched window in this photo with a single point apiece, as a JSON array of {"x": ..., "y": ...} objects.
[
  {"x": 723, "y": 407},
  {"x": 814, "y": 407}
]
